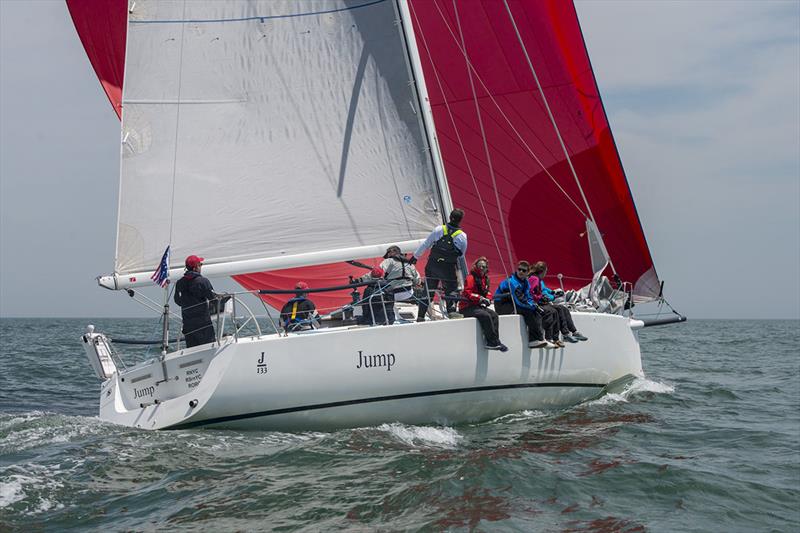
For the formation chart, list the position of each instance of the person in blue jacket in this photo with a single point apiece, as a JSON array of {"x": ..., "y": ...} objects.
[{"x": 514, "y": 295}]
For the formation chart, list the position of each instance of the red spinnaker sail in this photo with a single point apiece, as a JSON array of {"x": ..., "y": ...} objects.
[
  {"x": 540, "y": 203},
  {"x": 102, "y": 26},
  {"x": 495, "y": 135}
]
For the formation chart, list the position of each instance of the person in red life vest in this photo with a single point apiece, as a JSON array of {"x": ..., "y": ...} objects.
[
  {"x": 475, "y": 303},
  {"x": 565, "y": 324},
  {"x": 299, "y": 312},
  {"x": 193, "y": 293},
  {"x": 448, "y": 243}
]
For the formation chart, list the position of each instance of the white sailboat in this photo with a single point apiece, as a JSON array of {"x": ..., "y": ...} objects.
[{"x": 272, "y": 136}]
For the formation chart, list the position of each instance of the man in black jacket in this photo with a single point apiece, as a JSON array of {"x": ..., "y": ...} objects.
[
  {"x": 299, "y": 312},
  {"x": 193, "y": 293},
  {"x": 448, "y": 243}
]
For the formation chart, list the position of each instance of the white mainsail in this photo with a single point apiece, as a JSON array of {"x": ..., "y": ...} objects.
[{"x": 269, "y": 129}]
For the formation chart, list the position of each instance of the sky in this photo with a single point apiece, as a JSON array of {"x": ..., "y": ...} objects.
[{"x": 703, "y": 98}]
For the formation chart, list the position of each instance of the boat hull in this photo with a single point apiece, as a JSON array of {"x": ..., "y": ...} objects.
[{"x": 432, "y": 372}]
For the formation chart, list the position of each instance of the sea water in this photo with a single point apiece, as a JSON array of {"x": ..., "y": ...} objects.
[{"x": 708, "y": 441}]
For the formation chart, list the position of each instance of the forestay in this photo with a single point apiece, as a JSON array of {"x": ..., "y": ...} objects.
[{"x": 268, "y": 129}]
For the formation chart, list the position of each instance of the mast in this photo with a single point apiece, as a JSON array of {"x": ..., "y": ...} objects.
[{"x": 418, "y": 79}]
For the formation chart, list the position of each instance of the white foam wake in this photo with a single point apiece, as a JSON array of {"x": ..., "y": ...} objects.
[
  {"x": 637, "y": 386},
  {"x": 520, "y": 416},
  {"x": 423, "y": 436},
  {"x": 11, "y": 490},
  {"x": 42, "y": 481}
]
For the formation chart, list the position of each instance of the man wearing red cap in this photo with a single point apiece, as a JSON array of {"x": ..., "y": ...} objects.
[
  {"x": 193, "y": 293},
  {"x": 299, "y": 312},
  {"x": 378, "y": 300}
]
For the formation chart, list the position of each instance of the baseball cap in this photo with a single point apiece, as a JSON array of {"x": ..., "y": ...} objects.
[{"x": 193, "y": 260}]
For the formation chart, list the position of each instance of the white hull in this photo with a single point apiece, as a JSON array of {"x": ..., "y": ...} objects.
[{"x": 432, "y": 372}]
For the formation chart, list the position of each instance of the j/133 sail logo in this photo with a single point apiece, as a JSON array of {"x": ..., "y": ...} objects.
[{"x": 261, "y": 366}]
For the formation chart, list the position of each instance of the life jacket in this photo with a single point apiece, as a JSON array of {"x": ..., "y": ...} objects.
[
  {"x": 481, "y": 283},
  {"x": 297, "y": 310},
  {"x": 444, "y": 250}
]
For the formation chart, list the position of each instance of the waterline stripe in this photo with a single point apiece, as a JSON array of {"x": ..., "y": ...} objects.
[
  {"x": 313, "y": 407},
  {"x": 269, "y": 17}
]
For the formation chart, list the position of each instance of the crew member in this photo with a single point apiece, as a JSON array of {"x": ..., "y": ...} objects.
[
  {"x": 475, "y": 303},
  {"x": 514, "y": 295},
  {"x": 400, "y": 273},
  {"x": 448, "y": 243},
  {"x": 193, "y": 292},
  {"x": 299, "y": 312},
  {"x": 378, "y": 300},
  {"x": 565, "y": 324}
]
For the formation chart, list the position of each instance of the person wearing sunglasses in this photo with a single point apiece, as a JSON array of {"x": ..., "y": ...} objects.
[
  {"x": 475, "y": 303},
  {"x": 513, "y": 295}
]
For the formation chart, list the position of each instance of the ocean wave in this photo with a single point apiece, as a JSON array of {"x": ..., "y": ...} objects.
[
  {"x": 38, "y": 428},
  {"x": 423, "y": 436},
  {"x": 30, "y": 488},
  {"x": 637, "y": 387}
]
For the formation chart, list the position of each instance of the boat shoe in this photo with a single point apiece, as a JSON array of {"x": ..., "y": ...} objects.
[{"x": 499, "y": 346}]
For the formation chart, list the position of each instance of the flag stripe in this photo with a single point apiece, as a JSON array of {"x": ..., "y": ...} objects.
[{"x": 161, "y": 276}]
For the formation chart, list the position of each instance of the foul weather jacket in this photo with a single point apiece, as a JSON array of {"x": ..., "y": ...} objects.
[
  {"x": 520, "y": 291},
  {"x": 192, "y": 293}
]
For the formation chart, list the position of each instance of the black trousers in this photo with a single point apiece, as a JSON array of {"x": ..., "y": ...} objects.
[
  {"x": 198, "y": 330},
  {"x": 550, "y": 322},
  {"x": 532, "y": 319},
  {"x": 378, "y": 307},
  {"x": 565, "y": 323},
  {"x": 437, "y": 274},
  {"x": 488, "y": 320}
]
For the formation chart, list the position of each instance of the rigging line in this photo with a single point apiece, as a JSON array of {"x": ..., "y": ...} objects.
[
  {"x": 553, "y": 120},
  {"x": 508, "y": 120},
  {"x": 460, "y": 142},
  {"x": 485, "y": 143},
  {"x": 177, "y": 127}
]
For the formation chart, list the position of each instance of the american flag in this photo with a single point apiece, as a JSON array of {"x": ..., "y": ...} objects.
[{"x": 161, "y": 276}]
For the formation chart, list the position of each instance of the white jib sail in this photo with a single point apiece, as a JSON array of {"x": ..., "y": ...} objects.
[{"x": 264, "y": 129}]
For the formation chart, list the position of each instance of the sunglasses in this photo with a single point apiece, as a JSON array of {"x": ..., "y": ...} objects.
[{"x": 523, "y": 270}]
